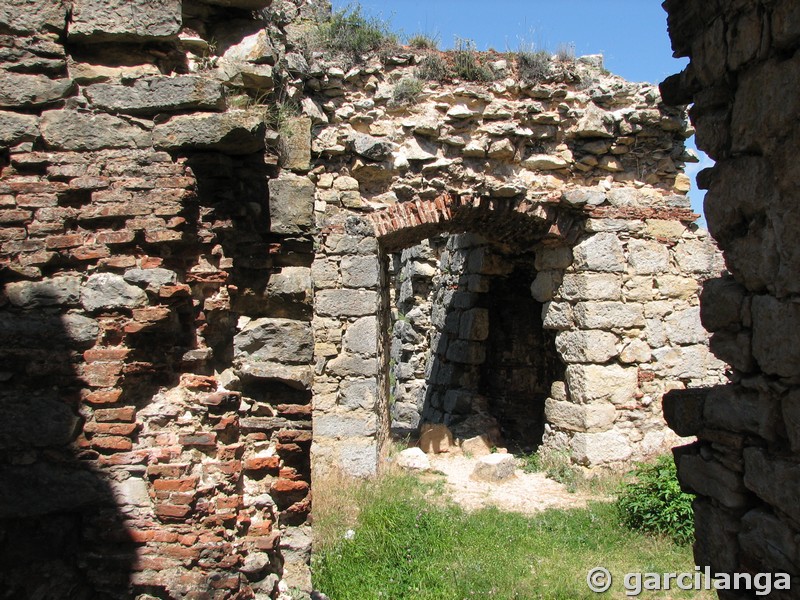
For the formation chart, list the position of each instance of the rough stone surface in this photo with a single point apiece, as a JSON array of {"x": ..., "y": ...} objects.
[
  {"x": 74, "y": 130},
  {"x": 494, "y": 467},
  {"x": 413, "y": 459},
  {"x": 124, "y": 20},
  {"x": 26, "y": 91},
  {"x": 158, "y": 94},
  {"x": 291, "y": 207},
  {"x": 107, "y": 291},
  {"x": 589, "y": 383},
  {"x": 239, "y": 132},
  {"x": 282, "y": 340}
]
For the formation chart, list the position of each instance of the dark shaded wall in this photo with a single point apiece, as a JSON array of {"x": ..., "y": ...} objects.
[{"x": 743, "y": 80}]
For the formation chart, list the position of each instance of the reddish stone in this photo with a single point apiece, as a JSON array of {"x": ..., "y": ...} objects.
[
  {"x": 12, "y": 215},
  {"x": 174, "y": 291},
  {"x": 103, "y": 415},
  {"x": 111, "y": 442},
  {"x": 105, "y": 354},
  {"x": 230, "y": 452},
  {"x": 155, "y": 563},
  {"x": 166, "y": 470},
  {"x": 289, "y": 473},
  {"x": 233, "y": 502},
  {"x": 262, "y": 463},
  {"x": 102, "y": 396},
  {"x": 230, "y": 582},
  {"x": 119, "y": 262},
  {"x": 187, "y": 539},
  {"x": 172, "y": 511},
  {"x": 294, "y": 410},
  {"x": 56, "y": 242},
  {"x": 288, "y": 486},
  {"x": 267, "y": 543},
  {"x": 159, "y": 237},
  {"x": 260, "y": 528},
  {"x": 123, "y": 236},
  {"x": 102, "y": 374},
  {"x": 198, "y": 382},
  {"x": 124, "y": 429},
  {"x": 197, "y": 439},
  {"x": 180, "y": 552},
  {"x": 151, "y": 313},
  {"x": 90, "y": 252},
  {"x": 296, "y": 436},
  {"x": 183, "y": 484}
]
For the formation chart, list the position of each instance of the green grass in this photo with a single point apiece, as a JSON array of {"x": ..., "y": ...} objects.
[{"x": 411, "y": 543}]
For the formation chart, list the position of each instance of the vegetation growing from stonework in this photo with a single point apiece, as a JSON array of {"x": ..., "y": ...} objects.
[
  {"x": 399, "y": 538},
  {"x": 654, "y": 502},
  {"x": 352, "y": 35}
]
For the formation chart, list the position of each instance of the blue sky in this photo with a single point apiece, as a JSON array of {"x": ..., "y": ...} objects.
[{"x": 631, "y": 34}]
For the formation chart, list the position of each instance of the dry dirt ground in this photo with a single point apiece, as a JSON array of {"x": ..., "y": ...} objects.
[{"x": 525, "y": 492}]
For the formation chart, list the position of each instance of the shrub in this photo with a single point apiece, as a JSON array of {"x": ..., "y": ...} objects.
[
  {"x": 352, "y": 35},
  {"x": 467, "y": 62},
  {"x": 407, "y": 91},
  {"x": 422, "y": 41},
  {"x": 533, "y": 66},
  {"x": 565, "y": 53},
  {"x": 434, "y": 68},
  {"x": 655, "y": 503}
]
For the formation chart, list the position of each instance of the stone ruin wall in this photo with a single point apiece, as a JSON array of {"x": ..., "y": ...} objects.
[
  {"x": 189, "y": 294},
  {"x": 742, "y": 78}
]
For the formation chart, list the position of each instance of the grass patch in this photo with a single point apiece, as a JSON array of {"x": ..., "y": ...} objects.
[
  {"x": 533, "y": 66},
  {"x": 422, "y": 41},
  {"x": 408, "y": 542},
  {"x": 407, "y": 90}
]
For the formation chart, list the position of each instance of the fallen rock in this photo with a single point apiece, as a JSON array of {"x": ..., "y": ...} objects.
[
  {"x": 413, "y": 459},
  {"x": 480, "y": 445},
  {"x": 495, "y": 467}
]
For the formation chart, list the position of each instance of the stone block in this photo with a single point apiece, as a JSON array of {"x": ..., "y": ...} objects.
[
  {"x": 694, "y": 256},
  {"x": 360, "y": 271},
  {"x": 233, "y": 132},
  {"x": 591, "y": 286},
  {"x": 280, "y": 340},
  {"x": 494, "y": 467},
  {"x": 773, "y": 479},
  {"x": 344, "y": 426},
  {"x": 716, "y": 543},
  {"x": 557, "y": 315},
  {"x": 352, "y": 365},
  {"x": 361, "y": 336},
  {"x": 709, "y": 477},
  {"x": 790, "y": 407},
  {"x": 73, "y": 130},
  {"x": 296, "y": 376},
  {"x": 609, "y": 315},
  {"x": 346, "y": 303},
  {"x": 559, "y": 257},
  {"x": 592, "y": 383},
  {"x": 775, "y": 327},
  {"x": 586, "y": 346},
  {"x": 152, "y": 278},
  {"x": 358, "y": 459},
  {"x": 59, "y": 290},
  {"x": 107, "y": 291},
  {"x": 545, "y": 285},
  {"x": 595, "y": 123},
  {"x": 466, "y": 352},
  {"x": 36, "y": 422},
  {"x": 358, "y": 394},
  {"x": 124, "y": 20},
  {"x": 19, "y": 90},
  {"x": 295, "y": 143},
  {"x": 291, "y": 204},
  {"x": 675, "y": 286},
  {"x": 647, "y": 258},
  {"x": 16, "y": 128},
  {"x": 371, "y": 148},
  {"x": 739, "y": 410},
  {"x": 151, "y": 95},
  {"x": 597, "y": 449},
  {"x": 768, "y": 543},
  {"x": 683, "y": 410},
  {"x": 597, "y": 416},
  {"x": 459, "y": 402},
  {"x": 686, "y": 362},
  {"x": 683, "y": 327},
  {"x": 600, "y": 252},
  {"x": 474, "y": 324},
  {"x": 33, "y": 16},
  {"x": 584, "y": 196},
  {"x": 635, "y": 351}
]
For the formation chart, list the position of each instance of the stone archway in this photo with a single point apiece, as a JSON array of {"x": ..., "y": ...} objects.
[{"x": 615, "y": 288}]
